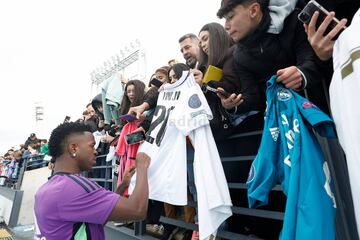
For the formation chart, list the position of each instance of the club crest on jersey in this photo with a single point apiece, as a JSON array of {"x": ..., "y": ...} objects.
[
  {"x": 284, "y": 94},
  {"x": 252, "y": 174},
  {"x": 274, "y": 133},
  {"x": 309, "y": 105},
  {"x": 194, "y": 101}
]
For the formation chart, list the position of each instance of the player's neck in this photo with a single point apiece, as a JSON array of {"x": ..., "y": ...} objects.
[{"x": 66, "y": 165}]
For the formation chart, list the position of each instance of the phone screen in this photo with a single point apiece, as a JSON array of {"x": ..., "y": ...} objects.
[{"x": 135, "y": 137}]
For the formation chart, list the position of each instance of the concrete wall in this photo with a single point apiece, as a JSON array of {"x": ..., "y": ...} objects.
[
  {"x": 32, "y": 181},
  {"x": 10, "y": 201}
]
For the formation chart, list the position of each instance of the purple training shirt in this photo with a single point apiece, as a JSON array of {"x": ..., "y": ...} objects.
[{"x": 70, "y": 206}]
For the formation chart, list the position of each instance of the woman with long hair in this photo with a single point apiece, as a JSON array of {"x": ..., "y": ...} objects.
[
  {"x": 134, "y": 95},
  {"x": 216, "y": 49}
]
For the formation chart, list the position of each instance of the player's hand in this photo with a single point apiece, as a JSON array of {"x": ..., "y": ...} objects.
[
  {"x": 290, "y": 77},
  {"x": 323, "y": 45},
  {"x": 142, "y": 160}
]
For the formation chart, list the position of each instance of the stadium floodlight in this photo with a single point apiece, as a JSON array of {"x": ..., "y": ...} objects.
[{"x": 126, "y": 56}]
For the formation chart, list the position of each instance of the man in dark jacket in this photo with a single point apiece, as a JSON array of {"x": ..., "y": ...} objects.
[
  {"x": 33, "y": 140},
  {"x": 260, "y": 54},
  {"x": 91, "y": 118}
]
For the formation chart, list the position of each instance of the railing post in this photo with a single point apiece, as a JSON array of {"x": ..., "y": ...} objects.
[
  {"x": 106, "y": 176},
  {"x": 21, "y": 173},
  {"x": 140, "y": 228}
]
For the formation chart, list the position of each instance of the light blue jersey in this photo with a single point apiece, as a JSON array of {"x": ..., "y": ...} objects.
[{"x": 290, "y": 154}]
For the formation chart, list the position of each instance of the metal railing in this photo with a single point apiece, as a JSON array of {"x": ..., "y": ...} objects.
[
  {"x": 30, "y": 163},
  {"x": 105, "y": 170}
]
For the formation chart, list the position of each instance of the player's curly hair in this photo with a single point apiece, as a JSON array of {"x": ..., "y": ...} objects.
[{"x": 61, "y": 133}]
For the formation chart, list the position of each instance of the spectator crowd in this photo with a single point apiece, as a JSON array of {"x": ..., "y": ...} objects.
[{"x": 258, "y": 40}]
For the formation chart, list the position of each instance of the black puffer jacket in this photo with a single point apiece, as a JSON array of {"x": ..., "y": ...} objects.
[{"x": 261, "y": 54}]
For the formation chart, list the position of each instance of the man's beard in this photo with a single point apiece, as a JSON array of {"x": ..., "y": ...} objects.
[{"x": 191, "y": 63}]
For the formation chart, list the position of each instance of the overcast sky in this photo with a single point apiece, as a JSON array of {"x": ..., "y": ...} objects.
[{"x": 48, "y": 49}]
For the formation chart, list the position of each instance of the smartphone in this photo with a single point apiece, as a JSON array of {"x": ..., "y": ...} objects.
[
  {"x": 135, "y": 137},
  {"x": 308, "y": 11},
  {"x": 128, "y": 117},
  {"x": 156, "y": 82},
  {"x": 223, "y": 93},
  {"x": 219, "y": 91}
]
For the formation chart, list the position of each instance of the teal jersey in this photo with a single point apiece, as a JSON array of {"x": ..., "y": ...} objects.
[{"x": 289, "y": 154}]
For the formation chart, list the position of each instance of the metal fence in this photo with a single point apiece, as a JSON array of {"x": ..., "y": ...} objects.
[{"x": 25, "y": 164}]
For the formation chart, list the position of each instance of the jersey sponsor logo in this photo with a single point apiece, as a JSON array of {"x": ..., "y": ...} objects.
[
  {"x": 274, "y": 133},
  {"x": 290, "y": 135},
  {"x": 194, "y": 101},
  {"x": 252, "y": 174},
  {"x": 283, "y": 94},
  {"x": 284, "y": 120}
]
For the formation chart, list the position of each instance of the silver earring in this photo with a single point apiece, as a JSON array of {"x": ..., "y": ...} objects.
[{"x": 74, "y": 155}]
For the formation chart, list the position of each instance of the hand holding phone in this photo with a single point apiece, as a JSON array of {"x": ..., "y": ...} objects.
[
  {"x": 219, "y": 91},
  {"x": 135, "y": 137},
  {"x": 128, "y": 117},
  {"x": 222, "y": 92},
  {"x": 306, "y": 15},
  {"x": 320, "y": 35}
]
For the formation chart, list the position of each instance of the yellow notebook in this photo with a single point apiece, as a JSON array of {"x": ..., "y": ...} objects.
[{"x": 212, "y": 74}]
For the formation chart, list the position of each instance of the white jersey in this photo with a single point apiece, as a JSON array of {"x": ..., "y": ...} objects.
[
  {"x": 182, "y": 110},
  {"x": 345, "y": 100}
]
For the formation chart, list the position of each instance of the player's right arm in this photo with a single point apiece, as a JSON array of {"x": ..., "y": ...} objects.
[{"x": 134, "y": 207}]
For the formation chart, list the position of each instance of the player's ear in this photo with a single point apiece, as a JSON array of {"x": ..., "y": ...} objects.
[{"x": 72, "y": 148}]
